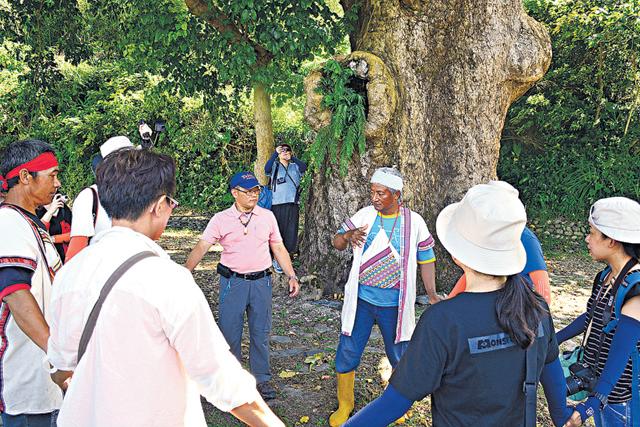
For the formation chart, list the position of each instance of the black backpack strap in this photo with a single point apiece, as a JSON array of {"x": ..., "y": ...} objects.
[
  {"x": 530, "y": 385},
  {"x": 94, "y": 208},
  {"x": 106, "y": 289}
]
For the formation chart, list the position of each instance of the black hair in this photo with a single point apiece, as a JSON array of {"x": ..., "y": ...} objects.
[
  {"x": 20, "y": 152},
  {"x": 632, "y": 249},
  {"x": 130, "y": 180},
  {"x": 520, "y": 310}
]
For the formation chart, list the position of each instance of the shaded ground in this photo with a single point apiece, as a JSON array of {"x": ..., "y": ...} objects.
[{"x": 305, "y": 335}]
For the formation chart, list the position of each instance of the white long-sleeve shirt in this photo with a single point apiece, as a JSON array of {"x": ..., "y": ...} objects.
[{"x": 155, "y": 347}]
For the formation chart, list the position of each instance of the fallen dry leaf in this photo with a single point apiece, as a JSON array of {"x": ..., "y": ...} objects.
[{"x": 287, "y": 374}]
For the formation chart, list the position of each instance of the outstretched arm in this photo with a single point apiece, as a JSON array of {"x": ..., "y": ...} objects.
[
  {"x": 382, "y": 411},
  {"x": 196, "y": 254},
  {"x": 555, "y": 386}
]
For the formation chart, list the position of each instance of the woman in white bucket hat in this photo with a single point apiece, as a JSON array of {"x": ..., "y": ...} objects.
[
  {"x": 611, "y": 323},
  {"x": 469, "y": 352}
]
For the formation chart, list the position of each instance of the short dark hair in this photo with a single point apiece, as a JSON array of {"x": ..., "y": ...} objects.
[
  {"x": 20, "y": 152},
  {"x": 130, "y": 180}
]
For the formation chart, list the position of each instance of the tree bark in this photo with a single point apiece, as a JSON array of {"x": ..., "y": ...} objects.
[
  {"x": 457, "y": 66},
  {"x": 264, "y": 129}
]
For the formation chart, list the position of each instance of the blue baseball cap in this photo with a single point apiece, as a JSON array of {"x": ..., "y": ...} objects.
[{"x": 243, "y": 179}]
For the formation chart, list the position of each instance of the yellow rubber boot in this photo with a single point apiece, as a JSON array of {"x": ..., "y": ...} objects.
[{"x": 345, "y": 399}]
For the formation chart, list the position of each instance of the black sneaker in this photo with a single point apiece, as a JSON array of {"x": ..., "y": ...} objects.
[{"x": 266, "y": 390}]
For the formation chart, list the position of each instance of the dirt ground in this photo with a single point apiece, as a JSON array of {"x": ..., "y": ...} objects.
[{"x": 306, "y": 330}]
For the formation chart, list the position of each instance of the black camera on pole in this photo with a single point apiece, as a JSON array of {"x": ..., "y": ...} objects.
[{"x": 150, "y": 137}]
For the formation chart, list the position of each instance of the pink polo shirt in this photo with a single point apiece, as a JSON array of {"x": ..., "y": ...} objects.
[{"x": 244, "y": 253}]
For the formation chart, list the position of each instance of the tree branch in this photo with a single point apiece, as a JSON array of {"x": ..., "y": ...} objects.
[{"x": 221, "y": 22}]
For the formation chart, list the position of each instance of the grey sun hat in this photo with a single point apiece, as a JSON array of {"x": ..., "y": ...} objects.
[
  {"x": 483, "y": 230},
  {"x": 618, "y": 218}
]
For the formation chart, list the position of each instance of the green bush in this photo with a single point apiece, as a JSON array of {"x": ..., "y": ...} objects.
[
  {"x": 90, "y": 103},
  {"x": 575, "y": 137}
]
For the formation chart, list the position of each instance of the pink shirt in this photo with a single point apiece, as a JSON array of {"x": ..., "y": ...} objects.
[{"x": 244, "y": 253}]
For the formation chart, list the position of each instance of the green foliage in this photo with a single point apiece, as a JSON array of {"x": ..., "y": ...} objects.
[
  {"x": 575, "y": 137},
  {"x": 345, "y": 133},
  {"x": 93, "y": 102}
]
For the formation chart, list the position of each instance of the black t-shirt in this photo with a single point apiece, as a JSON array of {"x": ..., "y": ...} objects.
[{"x": 469, "y": 365}]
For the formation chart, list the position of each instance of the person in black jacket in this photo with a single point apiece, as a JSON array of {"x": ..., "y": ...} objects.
[{"x": 469, "y": 352}]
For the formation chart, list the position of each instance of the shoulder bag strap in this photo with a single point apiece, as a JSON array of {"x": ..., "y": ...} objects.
[
  {"x": 94, "y": 208},
  {"x": 95, "y": 311},
  {"x": 530, "y": 384}
]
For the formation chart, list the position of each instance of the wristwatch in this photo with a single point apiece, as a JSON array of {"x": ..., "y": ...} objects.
[{"x": 293, "y": 277}]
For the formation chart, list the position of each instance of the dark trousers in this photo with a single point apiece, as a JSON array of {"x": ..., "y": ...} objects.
[
  {"x": 350, "y": 348},
  {"x": 30, "y": 420},
  {"x": 238, "y": 296},
  {"x": 288, "y": 217}
]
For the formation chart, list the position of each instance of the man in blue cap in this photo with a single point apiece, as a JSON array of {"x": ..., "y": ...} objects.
[{"x": 248, "y": 235}]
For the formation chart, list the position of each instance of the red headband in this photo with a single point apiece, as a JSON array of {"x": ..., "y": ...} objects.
[{"x": 43, "y": 162}]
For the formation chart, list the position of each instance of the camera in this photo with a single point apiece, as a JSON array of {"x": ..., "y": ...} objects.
[
  {"x": 582, "y": 378},
  {"x": 64, "y": 198},
  {"x": 150, "y": 137}
]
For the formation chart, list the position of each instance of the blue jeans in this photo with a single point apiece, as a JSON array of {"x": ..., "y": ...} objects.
[
  {"x": 614, "y": 415},
  {"x": 30, "y": 420},
  {"x": 238, "y": 296},
  {"x": 350, "y": 348}
]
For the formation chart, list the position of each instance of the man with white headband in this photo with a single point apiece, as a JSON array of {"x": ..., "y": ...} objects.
[{"x": 389, "y": 242}]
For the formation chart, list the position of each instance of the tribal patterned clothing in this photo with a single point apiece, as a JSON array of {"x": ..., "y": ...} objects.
[{"x": 415, "y": 242}]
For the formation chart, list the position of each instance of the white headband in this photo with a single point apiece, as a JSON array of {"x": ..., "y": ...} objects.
[{"x": 388, "y": 180}]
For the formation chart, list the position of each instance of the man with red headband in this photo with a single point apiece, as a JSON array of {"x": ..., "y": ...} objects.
[{"x": 28, "y": 262}]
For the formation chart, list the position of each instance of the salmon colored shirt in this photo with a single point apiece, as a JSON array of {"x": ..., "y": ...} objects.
[{"x": 244, "y": 252}]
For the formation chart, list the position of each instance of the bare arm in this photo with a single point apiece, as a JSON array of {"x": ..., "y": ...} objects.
[
  {"x": 28, "y": 316},
  {"x": 283, "y": 258},
  {"x": 257, "y": 414},
  {"x": 428, "y": 273},
  {"x": 632, "y": 307},
  {"x": 196, "y": 254}
]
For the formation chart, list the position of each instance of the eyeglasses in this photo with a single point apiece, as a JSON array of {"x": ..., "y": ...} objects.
[
  {"x": 172, "y": 202},
  {"x": 285, "y": 149},
  {"x": 253, "y": 192}
]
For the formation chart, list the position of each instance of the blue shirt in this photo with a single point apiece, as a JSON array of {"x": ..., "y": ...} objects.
[
  {"x": 285, "y": 180},
  {"x": 535, "y": 259}
]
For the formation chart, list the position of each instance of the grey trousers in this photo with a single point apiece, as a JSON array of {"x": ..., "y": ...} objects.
[{"x": 238, "y": 296}]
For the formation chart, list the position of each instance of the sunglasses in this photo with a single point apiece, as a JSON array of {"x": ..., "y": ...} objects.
[
  {"x": 285, "y": 149},
  {"x": 252, "y": 192},
  {"x": 172, "y": 202}
]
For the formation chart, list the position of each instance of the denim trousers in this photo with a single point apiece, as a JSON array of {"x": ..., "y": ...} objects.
[
  {"x": 237, "y": 297},
  {"x": 614, "y": 415},
  {"x": 30, "y": 420},
  {"x": 350, "y": 348}
]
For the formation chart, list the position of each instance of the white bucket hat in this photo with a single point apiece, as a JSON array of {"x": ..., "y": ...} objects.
[
  {"x": 114, "y": 143},
  {"x": 618, "y": 218},
  {"x": 483, "y": 230}
]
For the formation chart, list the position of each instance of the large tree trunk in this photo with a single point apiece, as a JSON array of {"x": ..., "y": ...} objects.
[
  {"x": 456, "y": 66},
  {"x": 264, "y": 129}
]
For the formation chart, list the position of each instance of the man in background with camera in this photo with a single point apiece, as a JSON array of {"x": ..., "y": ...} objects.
[
  {"x": 28, "y": 263},
  {"x": 285, "y": 175},
  {"x": 247, "y": 233},
  {"x": 89, "y": 217}
]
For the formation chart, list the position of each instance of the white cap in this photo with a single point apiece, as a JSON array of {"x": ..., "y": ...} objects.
[
  {"x": 618, "y": 218},
  {"x": 114, "y": 143}
]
